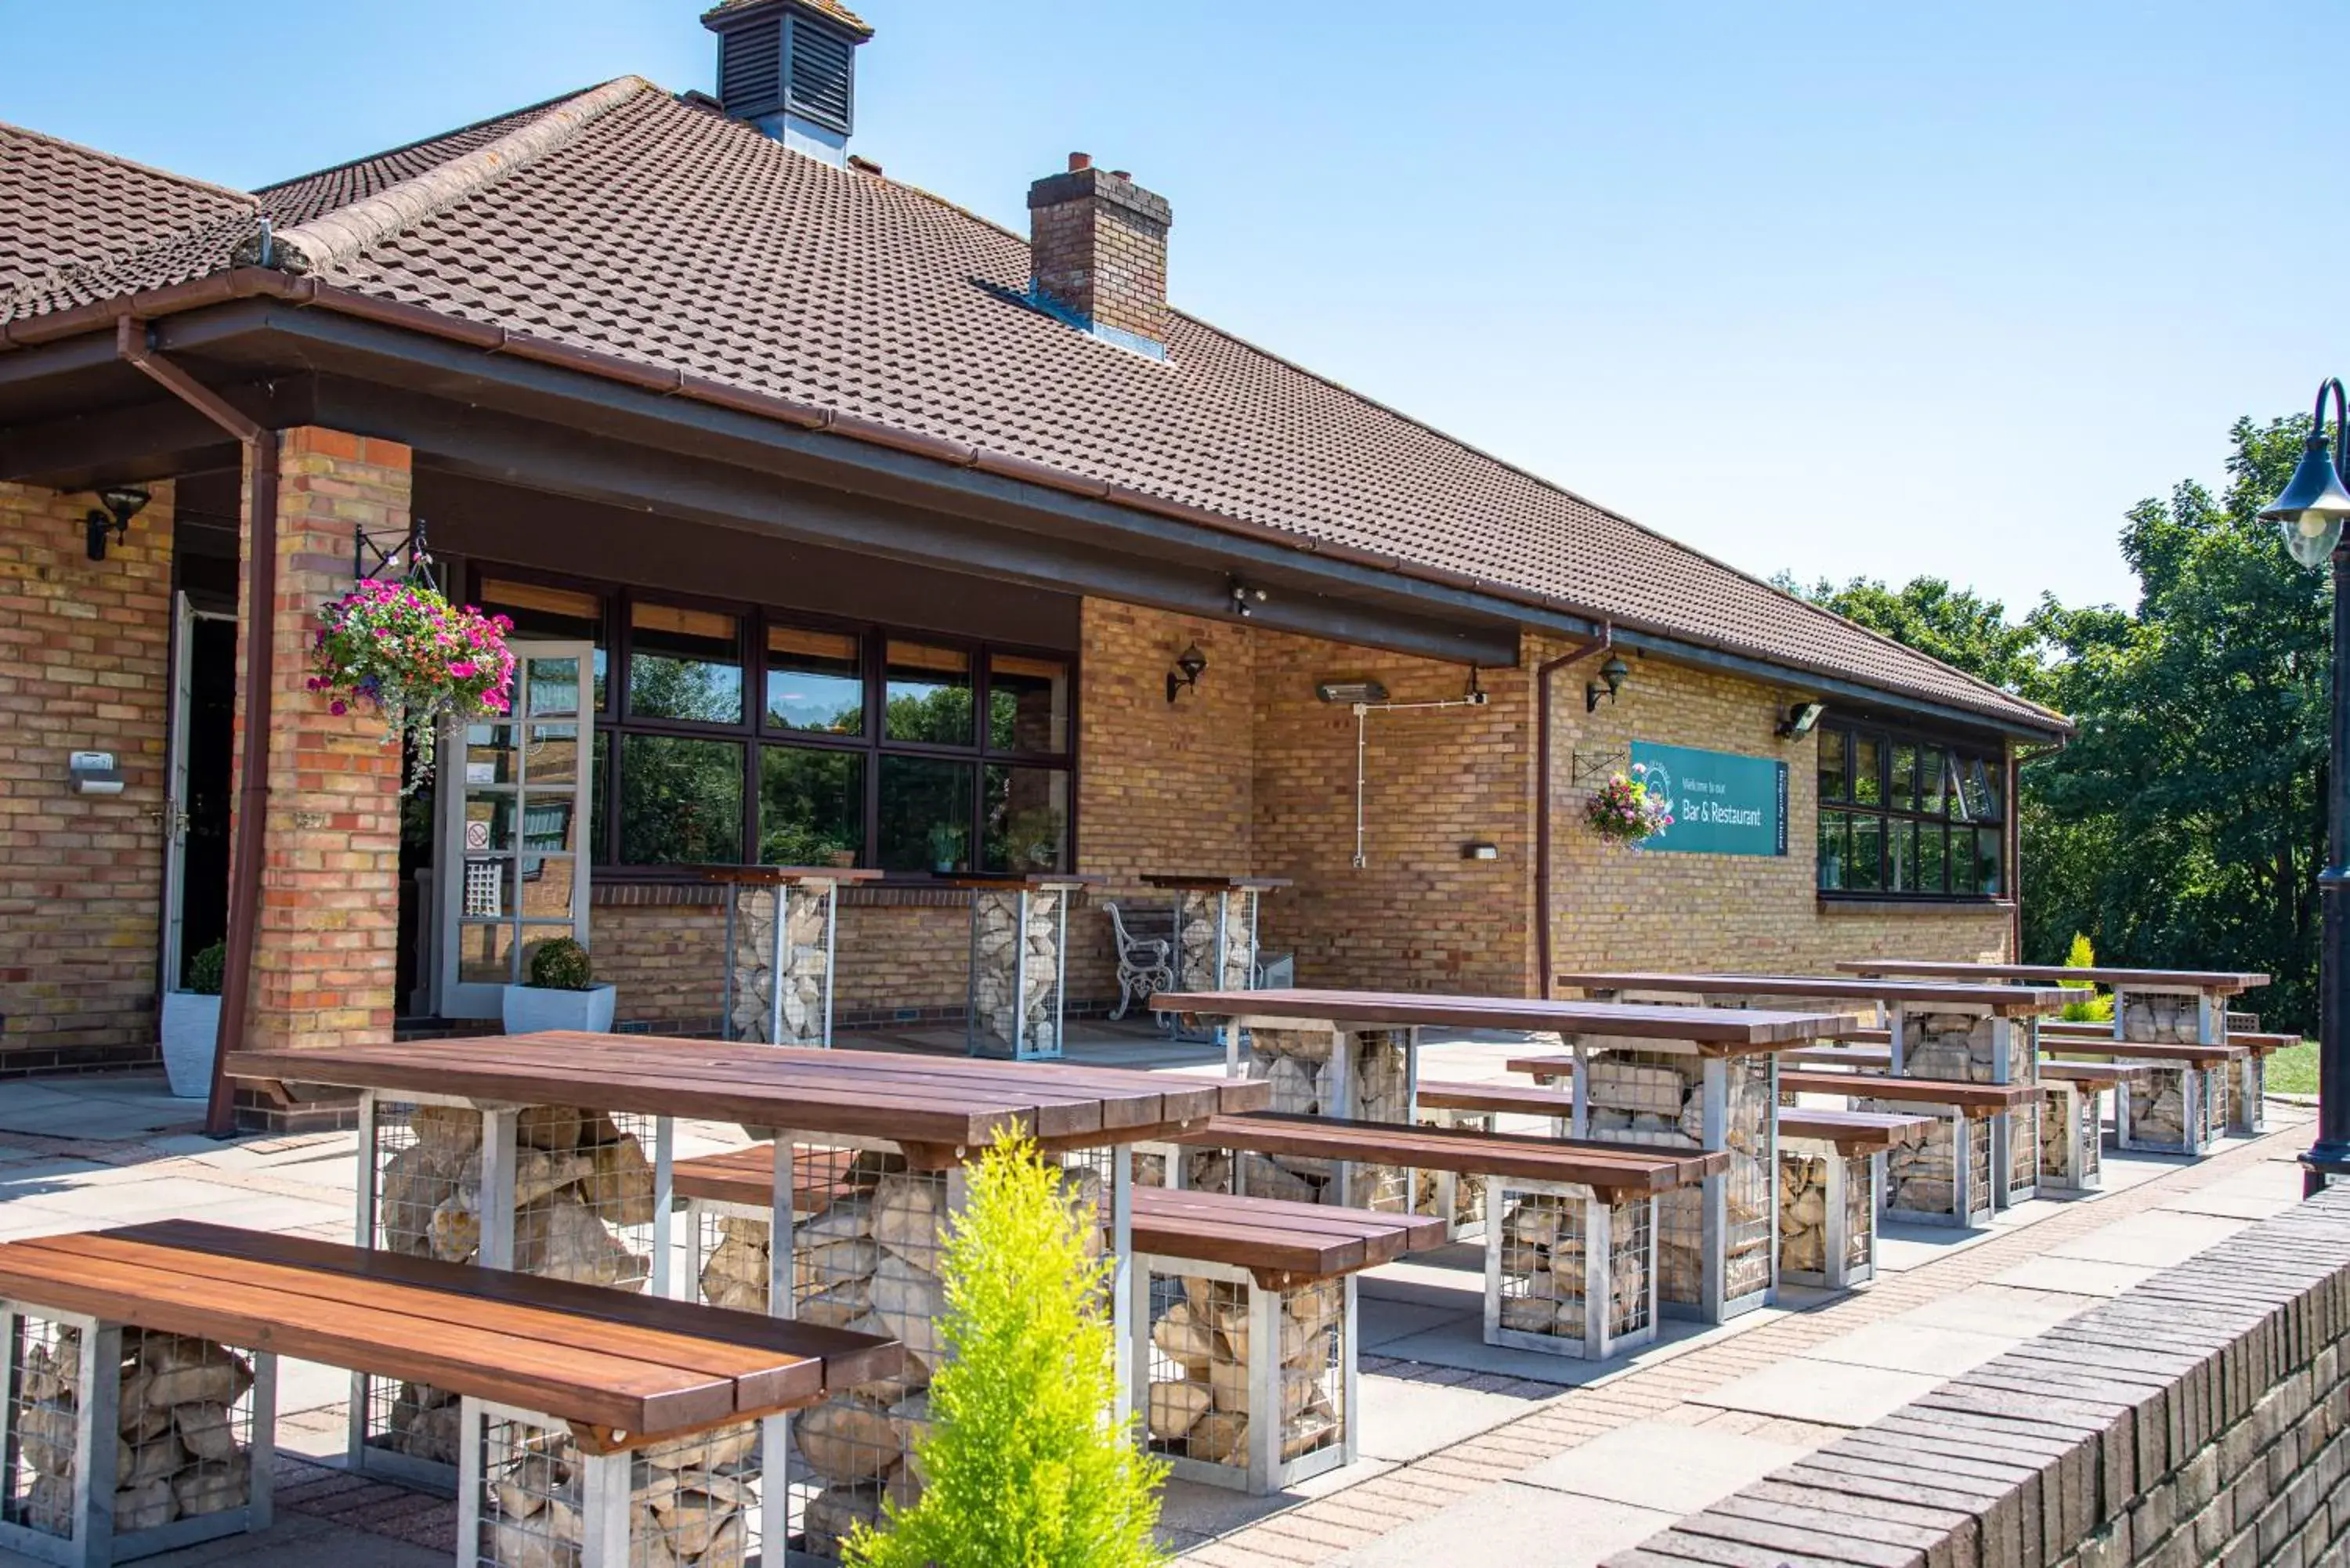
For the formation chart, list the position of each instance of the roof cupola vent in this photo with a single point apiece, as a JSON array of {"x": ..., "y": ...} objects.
[{"x": 789, "y": 67}]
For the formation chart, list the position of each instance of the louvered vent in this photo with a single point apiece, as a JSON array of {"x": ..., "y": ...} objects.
[
  {"x": 822, "y": 82},
  {"x": 750, "y": 67}
]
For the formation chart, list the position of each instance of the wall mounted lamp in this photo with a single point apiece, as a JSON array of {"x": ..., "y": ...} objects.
[
  {"x": 1611, "y": 681},
  {"x": 1800, "y": 719},
  {"x": 122, "y": 503},
  {"x": 1188, "y": 666}
]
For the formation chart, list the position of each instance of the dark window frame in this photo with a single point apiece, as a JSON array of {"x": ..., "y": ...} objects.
[
  {"x": 617, "y": 604},
  {"x": 1891, "y": 742}
]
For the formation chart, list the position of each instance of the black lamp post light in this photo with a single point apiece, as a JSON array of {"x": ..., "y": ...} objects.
[{"x": 2311, "y": 513}]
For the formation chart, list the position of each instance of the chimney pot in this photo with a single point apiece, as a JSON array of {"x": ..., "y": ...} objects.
[
  {"x": 1121, "y": 174},
  {"x": 1097, "y": 254}
]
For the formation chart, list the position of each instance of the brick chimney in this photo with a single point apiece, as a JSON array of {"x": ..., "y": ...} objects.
[{"x": 1097, "y": 245}]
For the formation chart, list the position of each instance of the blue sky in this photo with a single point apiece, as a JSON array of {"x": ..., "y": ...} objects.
[{"x": 1880, "y": 289}]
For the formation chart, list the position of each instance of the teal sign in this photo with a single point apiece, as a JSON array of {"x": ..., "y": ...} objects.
[{"x": 1723, "y": 803}]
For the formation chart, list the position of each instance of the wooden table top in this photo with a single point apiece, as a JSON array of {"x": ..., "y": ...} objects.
[
  {"x": 782, "y": 876},
  {"x": 1852, "y": 1131},
  {"x": 1176, "y": 880},
  {"x": 2220, "y": 982},
  {"x": 2003, "y": 999},
  {"x": 1722, "y": 1028},
  {"x": 956, "y": 1102}
]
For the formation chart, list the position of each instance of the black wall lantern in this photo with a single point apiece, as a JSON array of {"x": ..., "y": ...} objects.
[
  {"x": 1188, "y": 666},
  {"x": 122, "y": 503},
  {"x": 1612, "y": 673}
]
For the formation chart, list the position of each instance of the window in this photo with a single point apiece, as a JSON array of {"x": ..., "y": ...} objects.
[
  {"x": 730, "y": 734},
  {"x": 1904, "y": 816}
]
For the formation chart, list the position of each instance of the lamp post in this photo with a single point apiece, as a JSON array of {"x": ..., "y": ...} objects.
[{"x": 2311, "y": 513}]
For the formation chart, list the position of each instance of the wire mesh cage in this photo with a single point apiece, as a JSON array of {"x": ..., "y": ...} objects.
[
  {"x": 178, "y": 1433},
  {"x": 1979, "y": 1141},
  {"x": 1924, "y": 1178},
  {"x": 1750, "y": 1134},
  {"x": 1552, "y": 1250},
  {"x": 1859, "y": 1215},
  {"x": 1207, "y": 1169},
  {"x": 1658, "y": 1097},
  {"x": 1804, "y": 1212},
  {"x": 2176, "y": 1017},
  {"x": 690, "y": 1502},
  {"x": 586, "y": 1207},
  {"x": 1456, "y": 1198},
  {"x": 1222, "y": 1348},
  {"x": 1215, "y": 940},
  {"x": 2214, "y": 1101},
  {"x": 1542, "y": 1267},
  {"x": 2091, "y": 1138},
  {"x": 2160, "y": 1116},
  {"x": 1958, "y": 1047},
  {"x": 2248, "y": 1092},
  {"x": 779, "y": 978},
  {"x": 1018, "y": 940},
  {"x": 2024, "y": 1148}
]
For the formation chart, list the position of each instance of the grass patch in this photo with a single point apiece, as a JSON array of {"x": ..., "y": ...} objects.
[{"x": 2294, "y": 1070}]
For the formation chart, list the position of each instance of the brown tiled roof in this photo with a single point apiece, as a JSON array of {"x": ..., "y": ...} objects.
[
  {"x": 64, "y": 206},
  {"x": 665, "y": 235}
]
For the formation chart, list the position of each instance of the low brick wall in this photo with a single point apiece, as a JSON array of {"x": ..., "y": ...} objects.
[{"x": 2202, "y": 1417}]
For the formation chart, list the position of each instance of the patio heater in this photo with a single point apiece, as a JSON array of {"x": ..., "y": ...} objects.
[{"x": 2311, "y": 513}]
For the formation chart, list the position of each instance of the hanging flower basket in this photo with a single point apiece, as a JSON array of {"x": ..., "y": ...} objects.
[
  {"x": 1622, "y": 811},
  {"x": 416, "y": 658}
]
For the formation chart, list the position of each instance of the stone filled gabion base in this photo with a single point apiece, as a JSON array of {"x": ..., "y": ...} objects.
[
  {"x": 1920, "y": 1177},
  {"x": 1015, "y": 997},
  {"x": 1546, "y": 1269},
  {"x": 182, "y": 1443},
  {"x": 806, "y": 965},
  {"x": 2161, "y": 1016},
  {"x": 693, "y": 1502},
  {"x": 1958, "y": 1047},
  {"x": 1196, "y": 916},
  {"x": 2158, "y": 1116},
  {"x": 1200, "y": 1401},
  {"x": 584, "y": 1199},
  {"x": 1364, "y": 1075},
  {"x": 1804, "y": 1213}
]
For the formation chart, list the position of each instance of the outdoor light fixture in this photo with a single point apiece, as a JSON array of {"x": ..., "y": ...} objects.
[
  {"x": 2311, "y": 513},
  {"x": 1245, "y": 598},
  {"x": 1800, "y": 720},
  {"x": 1612, "y": 673},
  {"x": 1188, "y": 665},
  {"x": 122, "y": 503},
  {"x": 1351, "y": 691}
]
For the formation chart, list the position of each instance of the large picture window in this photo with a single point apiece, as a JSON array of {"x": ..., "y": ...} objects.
[
  {"x": 733, "y": 733},
  {"x": 1906, "y": 817}
]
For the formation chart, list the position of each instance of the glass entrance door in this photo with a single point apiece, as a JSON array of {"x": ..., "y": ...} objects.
[{"x": 514, "y": 847}]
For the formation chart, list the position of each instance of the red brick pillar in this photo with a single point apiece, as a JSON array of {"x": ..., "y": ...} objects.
[{"x": 324, "y": 943}]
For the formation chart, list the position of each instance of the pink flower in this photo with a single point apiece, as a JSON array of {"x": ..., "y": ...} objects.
[{"x": 338, "y": 707}]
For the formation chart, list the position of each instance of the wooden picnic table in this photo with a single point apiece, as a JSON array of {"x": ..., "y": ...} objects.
[
  {"x": 2184, "y": 1112},
  {"x": 1677, "y": 1077},
  {"x": 1977, "y": 1029},
  {"x": 530, "y": 1152}
]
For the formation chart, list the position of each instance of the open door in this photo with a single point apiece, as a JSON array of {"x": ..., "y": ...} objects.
[
  {"x": 200, "y": 744},
  {"x": 512, "y": 866}
]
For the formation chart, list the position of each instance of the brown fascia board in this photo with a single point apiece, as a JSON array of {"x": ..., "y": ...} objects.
[{"x": 252, "y": 281}]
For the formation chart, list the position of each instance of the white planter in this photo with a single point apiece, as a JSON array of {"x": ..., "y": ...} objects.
[
  {"x": 191, "y": 1032},
  {"x": 530, "y": 1007}
]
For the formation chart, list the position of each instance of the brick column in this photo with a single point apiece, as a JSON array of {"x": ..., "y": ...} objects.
[{"x": 323, "y": 947}]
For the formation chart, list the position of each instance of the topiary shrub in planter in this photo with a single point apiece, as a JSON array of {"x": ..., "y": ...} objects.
[
  {"x": 191, "y": 1025},
  {"x": 1020, "y": 1468},
  {"x": 562, "y": 992}
]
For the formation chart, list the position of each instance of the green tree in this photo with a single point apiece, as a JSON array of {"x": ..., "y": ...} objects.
[
  {"x": 1022, "y": 1471},
  {"x": 1956, "y": 626}
]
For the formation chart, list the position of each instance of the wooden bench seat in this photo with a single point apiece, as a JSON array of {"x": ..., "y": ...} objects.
[
  {"x": 1618, "y": 1168},
  {"x": 1850, "y": 1132},
  {"x": 606, "y": 1371},
  {"x": 2099, "y": 1074},
  {"x": 1965, "y": 1168},
  {"x": 2186, "y": 1054},
  {"x": 1496, "y": 1099},
  {"x": 1859, "y": 1058},
  {"x": 1971, "y": 1100}
]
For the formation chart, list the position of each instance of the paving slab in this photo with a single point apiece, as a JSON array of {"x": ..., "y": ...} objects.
[
  {"x": 2001, "y": 1308},
  {"x": 1659, "y": 1465},
  {"x": 1903, "y": 1344},
  {"x": 1201, "y": 1511},
  {"x": 1830, "y": 1393},
  {"x": 2075, "y": 1276},
  {"x": 2158, "y": 1240},
  {"x": 1514, "y": 1523},
  {"x": 296, "y": 1540},
  {"x": 1407, "y": 1420},
  {"x": 2228, "y": 1205},
  {"x": 1379, "y": 1320}
]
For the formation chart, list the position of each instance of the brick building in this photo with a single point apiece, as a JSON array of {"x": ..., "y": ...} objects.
[{"x": 880, "y": 530}]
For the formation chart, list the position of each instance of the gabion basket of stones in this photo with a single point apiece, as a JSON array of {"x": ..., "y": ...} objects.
[
  {"x": 1180, "y": 1165},
  {"x": 1568, "y": 1272},
  {"x": 541, "y": 1500},
  {"x": 1361, "y": 1074},
  {"x": 176, "y": 1431},
  {"x": 1976, "y": 1048},
  {"x": 1224, "y": 1354},
  {"x": 1215, "y": 940},
  {"x": 779, "y": 975},
  {"x": 868, "y": 1239},
  {"x": 1019, "y": 940},
  {"x": 585, "y": 1209},
  {"x": 1457, "y": 1197},
  {"x": 1827, "y": 1216}
]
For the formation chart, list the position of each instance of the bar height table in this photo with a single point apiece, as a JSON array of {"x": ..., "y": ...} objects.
[
  {"x": 1215, "y": 933},
  {"x": 890, "y": 1135},
  {"x": 1019, "y": 962},
  {"x": 2184, "y": 1112},
  {"x": 782, "y": 937}
]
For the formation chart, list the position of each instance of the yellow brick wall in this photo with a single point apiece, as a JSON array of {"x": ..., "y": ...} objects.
[
  {"x": 1616, "y": 908},
  {"x": 84, "y": 657}
]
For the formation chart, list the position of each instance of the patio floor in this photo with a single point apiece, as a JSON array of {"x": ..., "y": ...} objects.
[{"x": 1462, "y": 1442}]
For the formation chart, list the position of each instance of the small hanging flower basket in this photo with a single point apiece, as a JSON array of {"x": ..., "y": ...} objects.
[
  {"x": 416, "y": 658},
  {"x": 1622, "y": 811}
]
